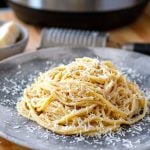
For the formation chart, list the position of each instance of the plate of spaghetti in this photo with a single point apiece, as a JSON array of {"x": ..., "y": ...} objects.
[{"x": 76, "y": 99}]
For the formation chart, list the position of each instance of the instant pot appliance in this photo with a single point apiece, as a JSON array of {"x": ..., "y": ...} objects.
[{"x": 83, "y": 14}]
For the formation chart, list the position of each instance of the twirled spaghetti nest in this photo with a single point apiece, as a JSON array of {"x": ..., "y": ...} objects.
[{"x": 83, "y": 97}]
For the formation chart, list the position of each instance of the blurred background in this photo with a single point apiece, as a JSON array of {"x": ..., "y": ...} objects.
[
  {"x": 3, "y": 4},
  {"x": 126, "y": 21},
  {"x": 99, "y": 15}
]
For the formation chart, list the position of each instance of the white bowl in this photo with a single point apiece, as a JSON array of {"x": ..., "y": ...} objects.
[{"x": 18, "y": 46}]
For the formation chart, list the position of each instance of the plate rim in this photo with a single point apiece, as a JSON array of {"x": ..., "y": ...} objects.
[{"x": 70, "y": 47}]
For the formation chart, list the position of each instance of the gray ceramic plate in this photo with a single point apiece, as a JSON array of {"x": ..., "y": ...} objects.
[{"x": 18, "y": 71}]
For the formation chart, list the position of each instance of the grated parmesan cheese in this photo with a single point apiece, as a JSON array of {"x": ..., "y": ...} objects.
[{"x": 126, "y": 138}]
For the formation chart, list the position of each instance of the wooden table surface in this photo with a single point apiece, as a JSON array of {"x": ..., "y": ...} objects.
[{"x": 139, "y": 31}]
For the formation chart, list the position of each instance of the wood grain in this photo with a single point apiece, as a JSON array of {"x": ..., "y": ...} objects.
[
  {"x": 139, "y": 31},
  {"x": 6, "y": 145}
]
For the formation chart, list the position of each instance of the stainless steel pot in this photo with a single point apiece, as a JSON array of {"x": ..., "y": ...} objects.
[
  {"x": 79, "y": 5},
  {"x": 77, "y": 13}
]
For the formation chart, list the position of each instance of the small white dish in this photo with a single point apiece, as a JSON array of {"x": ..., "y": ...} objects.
[{"x": 18, "y": 46}]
